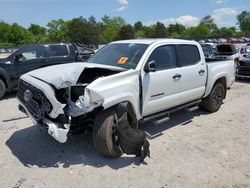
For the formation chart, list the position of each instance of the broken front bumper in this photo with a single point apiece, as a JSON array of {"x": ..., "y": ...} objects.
[
  {"x": 60, "y": 134},
  {"x": 38, "y": 101}
]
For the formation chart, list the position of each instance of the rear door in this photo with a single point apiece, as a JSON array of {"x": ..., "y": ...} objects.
[
  {"x": 193, "y": 72},
  {"x": 161, "y": 88},
  {"x": 58, "y": 54}
]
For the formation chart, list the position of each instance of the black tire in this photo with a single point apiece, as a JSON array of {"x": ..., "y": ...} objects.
[
  {"x": 104, "y": 136},
  {"x": 214, "y": 100},
  {"x": 2, "y": 89}
]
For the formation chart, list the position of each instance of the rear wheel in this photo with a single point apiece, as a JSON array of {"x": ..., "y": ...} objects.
[
  {"x": 2, "y": 89},
  {"x": 214, "y": 100},
  {"x": 105, "y": 135}
]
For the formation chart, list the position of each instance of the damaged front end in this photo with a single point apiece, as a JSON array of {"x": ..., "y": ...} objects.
[{"x": 62, "y": 106}]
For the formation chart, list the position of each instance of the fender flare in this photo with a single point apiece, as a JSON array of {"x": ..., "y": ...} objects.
[
  {"x": 219, "y": 77},
  {"x": 5, "y": 76}
]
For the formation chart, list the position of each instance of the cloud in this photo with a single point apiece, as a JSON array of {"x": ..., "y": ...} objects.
[
  {"x": 123, "y": 2},
  {"x": 219, "y": 1},
  {"x": 223, "y": 15},
  {"x": 124, "y": 5},
  {"x": 186, "y": 20}
]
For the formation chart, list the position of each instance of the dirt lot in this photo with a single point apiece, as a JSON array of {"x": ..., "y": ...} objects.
[{"x": 192, "y": 150}]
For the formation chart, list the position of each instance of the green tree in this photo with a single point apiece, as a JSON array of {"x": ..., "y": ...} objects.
[
  {"x": 126, "y": 32},
  {"x": 149, "y": 31},
  {"x": 209, "y": 22},
  {"x": 139, "y": 34},
  {"x": 244, "y": 22},
  {"x": 227, "y": 31},
  {"x": 196, "y": 32},
  {"x": 160, "y": 30},
  {"x": 138, "y": 26},
  {"x": 39, "y": 33},
  {"x": 4, "y": 31},
  {"x": 176, "y": 30},
  {"x": 58, "y": 30},
  {"x": 78, "y": 30},
  {"x": 110, "y": 28},
  {"x": 19, "y": 36},
  {"x": 94, "y": 31}
]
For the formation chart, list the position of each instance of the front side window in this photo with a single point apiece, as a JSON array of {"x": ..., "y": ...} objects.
[
  {"x": 164, "y": 57},
  {"x": 58, "y": 50},
  {"x": 189, "y": 54},
  {"x": 32, "y": 52},
  {"x": 125, "y": 55}
]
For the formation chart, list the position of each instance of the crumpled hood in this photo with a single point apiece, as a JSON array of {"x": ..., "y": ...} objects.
[{"x": 65, "y": 75}]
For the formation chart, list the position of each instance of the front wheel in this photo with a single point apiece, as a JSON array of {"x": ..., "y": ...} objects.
[
  {"x": 105, "y": 136},
  {"x": 2, "y": 89},
  {"x": 214, "y": 100}
]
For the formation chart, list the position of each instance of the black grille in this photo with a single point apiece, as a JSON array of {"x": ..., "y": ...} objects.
[{"x": 38, "y": 105}]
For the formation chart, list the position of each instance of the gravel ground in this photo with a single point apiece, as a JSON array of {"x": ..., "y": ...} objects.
[{"x": 191, "y": 150}]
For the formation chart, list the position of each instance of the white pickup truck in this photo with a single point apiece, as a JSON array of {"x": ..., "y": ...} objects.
[{"x": 147, "y": 78}]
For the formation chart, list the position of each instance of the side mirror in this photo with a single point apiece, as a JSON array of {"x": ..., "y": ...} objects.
[
  {"x": 18, "y": 57},
  {"x": 150, "y": 67}
]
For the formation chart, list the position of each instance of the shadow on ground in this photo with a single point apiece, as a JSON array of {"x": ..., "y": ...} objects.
[
  {"x": 34, "y": 147},
  {"x": 243, "y": 80}
]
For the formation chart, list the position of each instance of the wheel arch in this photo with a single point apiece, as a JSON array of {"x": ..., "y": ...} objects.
[
  {"x": 124, "y": 106},
  {"x": 220, "y": 79},
  {"x": 4, "y": 77},
  {"x": 224, "y": 83}
]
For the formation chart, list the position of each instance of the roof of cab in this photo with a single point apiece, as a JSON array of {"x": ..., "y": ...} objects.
[{"x": 155, "y": 40}]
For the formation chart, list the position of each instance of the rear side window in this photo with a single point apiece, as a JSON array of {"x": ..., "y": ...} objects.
[
  {"x": 58, "y": 50},
  {"x": 189, "y": 54}
]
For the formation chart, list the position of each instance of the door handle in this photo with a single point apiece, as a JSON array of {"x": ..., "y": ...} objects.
[
  {"x": 177, "y": 76},
  {"x": 201, "y": 71}
]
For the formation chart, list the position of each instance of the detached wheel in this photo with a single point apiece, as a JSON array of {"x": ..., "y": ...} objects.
[
  {"x": 214, "y": 100},
  {"x": 2, "y": 89},
  {"x": 105, "y": 135}
]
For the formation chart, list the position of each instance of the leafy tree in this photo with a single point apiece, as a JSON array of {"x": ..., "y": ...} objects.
[
  {"x": 4, "y": 30},
  {"x": 139, "y": 34},
  {"x": 149, "y": 31},
  {"x": 94, "y": 31},
  {"x": 110, "y": 28},
  {"x": 58, "y": 30},
  {"x": 227, "y": 32},
  {"x": 37, "y": 29},
  {"x": 199, "y": 31},
  {"x": 138, "y": 26},
  {"x": 209, "y": 22},
  {"x": 126, "y": 32},
  {"x": 78, "y": 30},
  {"x": 176, "y": 30},
  {"x": 19, "y": 36},
  {"x": 39, "y": 33},
  {"x": 160, "y": 30},
  {"x": 244, "y": 22}
]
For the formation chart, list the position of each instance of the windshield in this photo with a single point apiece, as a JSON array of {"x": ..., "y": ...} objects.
[{"x": 125, "y": 55}]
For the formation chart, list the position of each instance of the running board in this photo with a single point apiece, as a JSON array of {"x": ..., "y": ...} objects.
[
  {"x": 191, "y": 109},
  {"x": 165, "y": 115}
]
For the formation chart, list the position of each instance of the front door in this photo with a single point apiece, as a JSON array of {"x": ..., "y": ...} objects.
[
  {"x": 161, "y": 88},
  {"x": 32, "y": 58}
]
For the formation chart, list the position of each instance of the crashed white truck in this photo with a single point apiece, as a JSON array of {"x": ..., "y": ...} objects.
[{"x": 145, "y": 79}]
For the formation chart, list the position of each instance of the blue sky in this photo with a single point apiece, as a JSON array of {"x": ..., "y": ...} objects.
[{"x": 187, "y": 12}]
